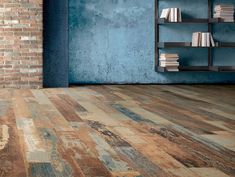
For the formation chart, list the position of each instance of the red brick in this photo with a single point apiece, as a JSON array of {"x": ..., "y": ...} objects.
[{"x": 21, "y": 44}]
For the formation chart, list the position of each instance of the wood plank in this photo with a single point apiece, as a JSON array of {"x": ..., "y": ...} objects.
[
  {"x": 65, "y": 109},
  {"x": 12, "y": 160},
  {"x": 207, "y": 172}
]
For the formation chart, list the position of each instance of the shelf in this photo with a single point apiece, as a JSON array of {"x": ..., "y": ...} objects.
[
  {"x": 199, "y": 69},
  {"x": 189, "y": 45},
  {"x": 219, "y": 20},
  {"x": 194, "y": 21},
  {"x": 209, "y": 22},
  {"x": 226, "y": 44},
  {"x": 226, "y": 68},
  {"x": 173, "y": 44},
  {"x": 189, "y": 21},
  {"x": 186, "y": 68}
]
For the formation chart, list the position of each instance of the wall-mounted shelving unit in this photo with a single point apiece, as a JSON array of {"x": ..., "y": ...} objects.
[{"x": 209, "y": 22}]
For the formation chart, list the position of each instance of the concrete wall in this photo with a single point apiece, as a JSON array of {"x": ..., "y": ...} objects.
[{"x": 112, "y": 41}]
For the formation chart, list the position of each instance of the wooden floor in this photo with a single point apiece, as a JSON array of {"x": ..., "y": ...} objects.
[{"x": 119, "y": 131}]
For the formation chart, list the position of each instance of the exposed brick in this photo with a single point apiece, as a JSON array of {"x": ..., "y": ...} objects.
[{"x": 21, "y": 46}]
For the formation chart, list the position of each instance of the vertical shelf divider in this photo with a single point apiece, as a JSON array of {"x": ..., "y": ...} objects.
[
  {"x": 210, "y": 57},
  {"x": 156, "y": 36}
]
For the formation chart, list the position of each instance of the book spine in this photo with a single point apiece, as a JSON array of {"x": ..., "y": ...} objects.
[
  {"x": 204, "y": 40},
  {"x": 194, "y": 41},
  {"x": 162, "y": 14},
  {"x": 175, "y": 14},
  {"x": 208, "y": 39},
  {"x": 165, "y": 13},
  {"x": 180, "y": 15},
  {"x": 172, "y": 15},
  {"x": 200, "y": 39},
  {"x": 212, "y": 40}
]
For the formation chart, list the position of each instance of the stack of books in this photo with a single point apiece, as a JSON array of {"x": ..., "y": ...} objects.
[
  {"x": 200, "y": 39},
  {"x": 172, "y": 14},
  {"x": 169, "y": 61},
  {"x": 225, "y": 12}
]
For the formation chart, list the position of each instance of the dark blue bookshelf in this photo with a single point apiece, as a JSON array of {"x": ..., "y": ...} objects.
[{"x": 209, "y": 21}]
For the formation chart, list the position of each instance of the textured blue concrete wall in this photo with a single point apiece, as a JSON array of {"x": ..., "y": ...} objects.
[{"x": 112, "y": 41}]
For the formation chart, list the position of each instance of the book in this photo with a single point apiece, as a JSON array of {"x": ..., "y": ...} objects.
[
  {"x": 176, "y": 66},
  {"x": 195, "y": 39},
  {"x": 172, "y": 69},
  {"x": 172, "y": 15},
  {"x": 224, "y": 12},
  {"x": 165, "y": 13},
  {"x": 179, "y": 15},
  {"x": 169, "y": 54},
  {"x": 175, "y": 14},
  {"x": 203, "y": 39},
  {"x": 212, "y": 41},
  {"x": 170, "y": 62},
  {"x": 224, "y": 6},
  {"x": 227, "y": 7},
  {"x": 168, "y": 59},
  {"x": 200, "y": 39},
  {"x": 208, "y": 39}
]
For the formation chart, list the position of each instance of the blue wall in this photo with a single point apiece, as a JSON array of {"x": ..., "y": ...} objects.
[
  {"x": 112, "y": 41},
  {"x": 55, "y": 43}
]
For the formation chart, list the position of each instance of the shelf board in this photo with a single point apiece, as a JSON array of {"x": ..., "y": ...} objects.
[
  {"x": 219, "y": 20},
  {"x": 199, "y": 69},
  {"x": 165, "y": 21},
  {"x": 189, "y": 45},
  {"x": 226, "y": 44},
  {"x": 186, "y": 68},
  {"x": 173, "y": 44},
  {"x": 226, "y": 68},
  {"x": 194, "y": 21}
]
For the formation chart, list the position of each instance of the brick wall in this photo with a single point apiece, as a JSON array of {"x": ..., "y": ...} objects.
[{"x": 21, "y": 43}]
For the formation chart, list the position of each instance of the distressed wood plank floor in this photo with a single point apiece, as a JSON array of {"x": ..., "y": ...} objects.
[{"x": 118, "y": 131}]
